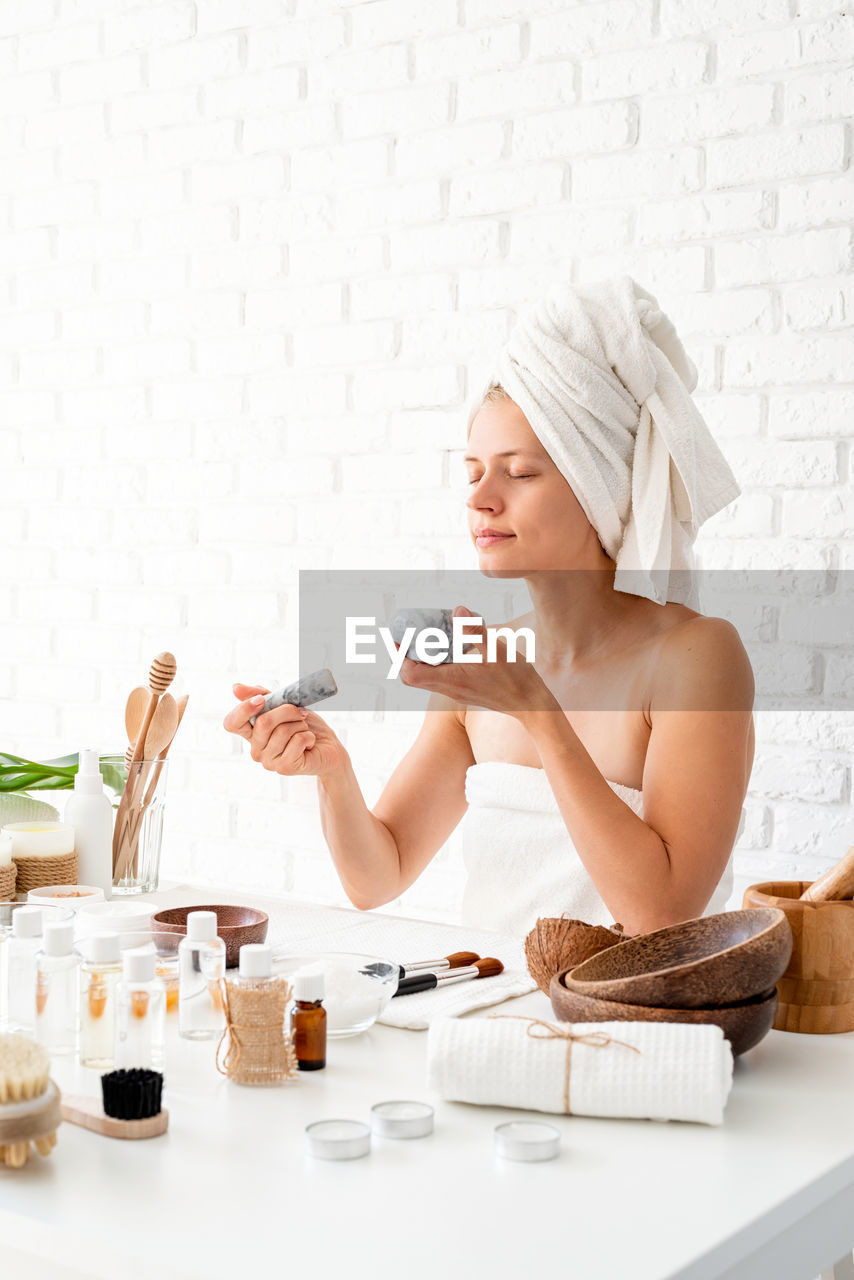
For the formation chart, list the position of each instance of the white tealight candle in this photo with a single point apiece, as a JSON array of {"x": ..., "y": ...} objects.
[
  {"x": 40, "y": 839},
  {"x": 5, "y": 849}
]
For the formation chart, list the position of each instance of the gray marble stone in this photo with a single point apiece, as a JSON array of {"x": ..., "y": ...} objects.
[
  {"x": 302, "y": 693},
  {"x": 441, "y": 619}
]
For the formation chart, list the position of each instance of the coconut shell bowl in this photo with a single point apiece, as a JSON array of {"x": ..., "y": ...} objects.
[
  {"x": 744, "y": 1024},
  {"x": 235, "y": 925},
  {"x": 710, "y": 962}
]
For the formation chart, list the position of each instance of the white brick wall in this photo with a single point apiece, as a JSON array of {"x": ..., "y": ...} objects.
[{"x": 238, "y": 237}]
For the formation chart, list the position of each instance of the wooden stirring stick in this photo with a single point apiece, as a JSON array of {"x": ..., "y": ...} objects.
[
  {"x": 160, "y": 676},
  {"x": 161, "y": 731}
]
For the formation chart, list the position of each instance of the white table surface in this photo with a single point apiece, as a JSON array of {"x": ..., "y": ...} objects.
[{"x": 229, "y": 1191}]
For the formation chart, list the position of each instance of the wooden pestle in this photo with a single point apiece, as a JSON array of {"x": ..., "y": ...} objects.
[
  {"x": 835, "y": 884},
  {"x": 160, "y": 676}
]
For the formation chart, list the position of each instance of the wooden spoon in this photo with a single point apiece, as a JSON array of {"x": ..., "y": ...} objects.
[
  {"x": 162, "y": 729},
  {"x": 134, "y": 711},
  {"x": 155, "y": 774},
  {"x": 836, "y": 883},
  {"x": 160, "y": 676}
]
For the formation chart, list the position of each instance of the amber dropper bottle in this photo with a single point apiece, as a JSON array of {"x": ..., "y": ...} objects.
[{"x": 308, "y": 1020}]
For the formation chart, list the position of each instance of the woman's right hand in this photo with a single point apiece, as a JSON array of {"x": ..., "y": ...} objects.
[{"x": 289, "y": 740}]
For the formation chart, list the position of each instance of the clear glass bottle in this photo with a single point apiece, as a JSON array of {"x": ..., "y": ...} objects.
[
  {"x": 99, "y": 978},
  {"x": 255, "y": 979},
  {"x": 201, "y": 964},
  {"x": 22, "y": 947},
  {"x": 58, "y": 990},
  {"x": 140, "y": 1012},
  {"x": 308, "y": 1019}
]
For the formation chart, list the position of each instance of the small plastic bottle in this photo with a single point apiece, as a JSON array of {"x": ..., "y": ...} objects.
[
  {"x": 99, "y": 978},
  {"x": 140, "y": 1012},
  {"x": 24, "y": 944},
  {"x": 57, "y": 990},
  {"x": 308, "y": 1019},
  {"x": 91, "y": 815},
  {"x": 201, "y": 964}
]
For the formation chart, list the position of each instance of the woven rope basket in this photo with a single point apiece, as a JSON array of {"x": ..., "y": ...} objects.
[
  {"x": 7, "y": 882},
  {"x": 55, "y": 868}
]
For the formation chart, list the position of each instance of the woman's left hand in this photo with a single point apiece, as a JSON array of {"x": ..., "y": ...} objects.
[{"x": 511, "y": 687}]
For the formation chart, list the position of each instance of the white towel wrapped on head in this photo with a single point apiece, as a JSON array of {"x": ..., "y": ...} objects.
[
  {"x": 602, "y": 377},
  {"x": 648, "y": 1070}
]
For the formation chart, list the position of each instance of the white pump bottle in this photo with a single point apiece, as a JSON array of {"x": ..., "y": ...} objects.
[{"x": 91, "y": 815}]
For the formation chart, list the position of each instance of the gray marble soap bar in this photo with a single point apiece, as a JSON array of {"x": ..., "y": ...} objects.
[
  {"x": 302, "y": 693},
  {"x": 420, "y": 619}
]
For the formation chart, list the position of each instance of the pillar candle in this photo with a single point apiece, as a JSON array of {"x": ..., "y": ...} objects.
[{"x": 40, "y": 839}]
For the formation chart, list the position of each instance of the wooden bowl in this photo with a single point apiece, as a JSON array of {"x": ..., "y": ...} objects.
[
  {"x": 743, "y": 1024},
  {"x": 817, "y": 989},
  {"x": 712, "y": 961},
  {"x": 235, "y": 925}
]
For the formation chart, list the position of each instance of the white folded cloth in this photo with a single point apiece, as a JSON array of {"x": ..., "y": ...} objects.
[
  {"x": 601, "y": 375},
  {"x": 418, "y": 1012},
  {"x": 638, "y": 1070}
]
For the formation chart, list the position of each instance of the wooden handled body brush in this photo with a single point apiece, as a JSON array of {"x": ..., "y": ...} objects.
[{"x": 29, "y": 1101}]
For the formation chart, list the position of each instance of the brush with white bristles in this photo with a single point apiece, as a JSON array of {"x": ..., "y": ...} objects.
[{"x": 29, "y": 1101}]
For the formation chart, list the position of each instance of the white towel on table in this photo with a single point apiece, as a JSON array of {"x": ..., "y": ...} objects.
[
  {"x": 419, "y": 1011},
  {"x": 682, "y": 1072},
  {"x": 601, "y": 375}
]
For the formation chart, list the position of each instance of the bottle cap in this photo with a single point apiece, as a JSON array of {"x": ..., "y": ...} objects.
[
  {"x": 104, "y": 948},
  {"x": 256, "y": 960},
  {"x": 309, "y": 984},
  {"x": 201, "y": 926},
  {"x": 337, "y": 1139},
  {"x": 139, "y": 966},
  {"x": 58, "y": 939},
  {"x": 526, "y": 1140},
  {"x": 88, "y": 776},
  {"x": 27, "y": 922}
]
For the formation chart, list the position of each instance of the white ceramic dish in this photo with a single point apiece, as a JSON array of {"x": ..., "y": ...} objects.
[
  {"x": 74, "y": 896},
  {"x": 131, "y": 920}
]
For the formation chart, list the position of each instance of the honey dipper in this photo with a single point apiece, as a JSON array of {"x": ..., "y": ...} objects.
[
  {"x": 29, "y": 1101},
  {"x": 160, "y": 676}
]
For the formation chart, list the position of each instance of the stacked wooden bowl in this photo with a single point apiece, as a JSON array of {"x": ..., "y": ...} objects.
[{"x": 719, "y": 969}]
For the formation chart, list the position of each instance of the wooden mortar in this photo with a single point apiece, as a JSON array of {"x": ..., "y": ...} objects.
[{"x": 817, "y": 989}]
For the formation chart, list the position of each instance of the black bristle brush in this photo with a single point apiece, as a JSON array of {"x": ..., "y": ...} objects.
[{"x": 132, "y": 1106}]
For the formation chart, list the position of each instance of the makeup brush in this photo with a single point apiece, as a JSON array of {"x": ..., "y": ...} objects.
[
  {"x": 486, "y": 968},
  {"x": 458, "y": 960}
]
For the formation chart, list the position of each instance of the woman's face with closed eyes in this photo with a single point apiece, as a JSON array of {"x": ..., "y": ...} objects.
[{"x": 522, "y": 513}]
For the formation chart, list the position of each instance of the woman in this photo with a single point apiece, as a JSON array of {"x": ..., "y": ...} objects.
[{"x": 605, "y": 778}]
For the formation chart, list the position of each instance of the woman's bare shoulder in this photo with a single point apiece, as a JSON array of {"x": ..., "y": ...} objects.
[{"x": 708, "y": 655}]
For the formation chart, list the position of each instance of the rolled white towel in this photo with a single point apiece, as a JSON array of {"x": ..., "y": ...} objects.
[{"x": 635, "y": 1070}]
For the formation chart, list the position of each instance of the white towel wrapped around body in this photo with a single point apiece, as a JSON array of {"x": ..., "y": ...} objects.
[
  {"x": 657, "y": 1071},
  {"x": 602, "y": 377}
]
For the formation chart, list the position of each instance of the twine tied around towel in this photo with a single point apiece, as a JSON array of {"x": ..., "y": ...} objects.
[
  {"x": 595, "y": 1039},
  {"x": 259, "y": 1051}
]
